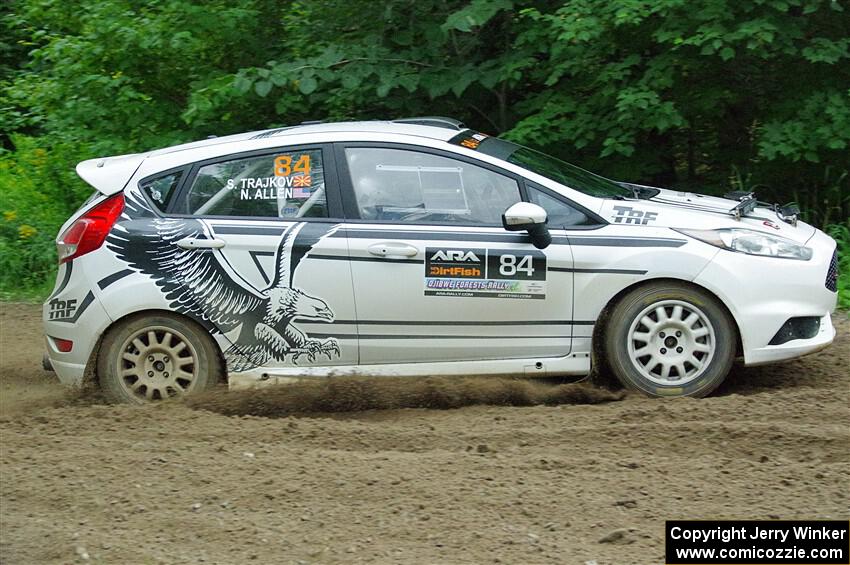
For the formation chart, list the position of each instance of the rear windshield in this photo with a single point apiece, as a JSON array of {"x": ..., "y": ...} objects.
[{"x": 542, "y": 164}]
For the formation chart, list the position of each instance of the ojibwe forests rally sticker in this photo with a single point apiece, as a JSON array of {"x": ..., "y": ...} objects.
[{"x": 485, "y": 273}]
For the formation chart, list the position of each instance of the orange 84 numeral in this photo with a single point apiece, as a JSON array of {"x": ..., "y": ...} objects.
[{"x": 283, "y": 166}]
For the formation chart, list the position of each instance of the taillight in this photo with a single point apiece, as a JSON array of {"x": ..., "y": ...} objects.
[{"x": 90, "y": 230}]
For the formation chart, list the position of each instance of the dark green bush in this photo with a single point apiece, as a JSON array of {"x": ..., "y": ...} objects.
[
  {"x": 841, "y": 234},
  {"x": 39, "y": 189}
]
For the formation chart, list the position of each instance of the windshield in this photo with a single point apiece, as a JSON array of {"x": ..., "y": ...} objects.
[{"x": 545, "y": 165}]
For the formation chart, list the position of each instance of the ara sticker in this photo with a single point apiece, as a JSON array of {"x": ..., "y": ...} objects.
[{"x": 485, "y": 273}]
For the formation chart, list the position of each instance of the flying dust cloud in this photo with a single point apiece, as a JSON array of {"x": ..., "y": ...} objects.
[{"x": 358, "y": 394}]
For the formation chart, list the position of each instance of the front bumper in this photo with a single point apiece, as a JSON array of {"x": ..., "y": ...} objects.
[
  {"x": 763, "y": 293},
  {"x": 795, "y": 348}
]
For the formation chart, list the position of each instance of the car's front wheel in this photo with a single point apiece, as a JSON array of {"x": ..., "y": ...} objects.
[
  {"x": 670, "y": 339},
  {"x": 154, "y": 357}
]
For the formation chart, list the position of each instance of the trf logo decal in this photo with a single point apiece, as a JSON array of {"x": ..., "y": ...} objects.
[
  {"x": 60, "y": 309},
  {"x": 628, "y": 215}
]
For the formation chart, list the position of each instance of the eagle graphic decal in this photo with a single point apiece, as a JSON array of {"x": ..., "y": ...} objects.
[{"x": 199, "y": 283}]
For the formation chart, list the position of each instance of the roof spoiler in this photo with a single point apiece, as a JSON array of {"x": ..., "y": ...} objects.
[
  {"x": 109, "y": 175},
  {"x": 435, "y": 121}
]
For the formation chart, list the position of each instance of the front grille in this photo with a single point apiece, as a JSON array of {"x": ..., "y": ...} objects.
[{"x": 832, "y": 273}]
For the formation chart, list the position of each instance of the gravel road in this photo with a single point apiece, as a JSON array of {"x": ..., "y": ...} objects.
[{"x": 589, "y": 478}]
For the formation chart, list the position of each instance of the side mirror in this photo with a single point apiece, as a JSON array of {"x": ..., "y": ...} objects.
[{"x": 525, "y": 216}]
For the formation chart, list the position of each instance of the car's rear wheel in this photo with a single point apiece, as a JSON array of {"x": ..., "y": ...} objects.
[
  {"x": 670, "y": 339},
  {"x": 150, "y": 358}
]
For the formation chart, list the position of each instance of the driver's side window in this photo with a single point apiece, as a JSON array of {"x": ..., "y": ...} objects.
[{"x": 412, "y": 186}]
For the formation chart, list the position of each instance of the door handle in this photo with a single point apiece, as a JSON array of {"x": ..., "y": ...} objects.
[
  {"x": 197, "y": 243},
  {"x": 393, "y": 250}
]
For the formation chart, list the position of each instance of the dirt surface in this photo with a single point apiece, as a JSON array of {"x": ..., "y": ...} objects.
[{"x": 576, "y": 482}]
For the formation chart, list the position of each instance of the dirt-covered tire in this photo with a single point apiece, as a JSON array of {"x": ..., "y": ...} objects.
[
  {"x": 153, "y": 357},
  {"x": 670, "y": 339}
]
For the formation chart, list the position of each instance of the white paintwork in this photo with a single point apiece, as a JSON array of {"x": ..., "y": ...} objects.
[
  {"x": 110, "y": 174},
  {"x": 576, "y": 364},
  {"x": 389, "y": 290},
  {"x": 760, "y": 292}
]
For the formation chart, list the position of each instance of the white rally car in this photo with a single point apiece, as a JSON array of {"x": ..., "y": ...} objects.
[{"x": 418, "y": 247}]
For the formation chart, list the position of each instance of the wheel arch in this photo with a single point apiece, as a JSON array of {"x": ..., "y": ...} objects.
[
  {"x": 601, "y": 325},
  {"x": 90, "y": 378}
]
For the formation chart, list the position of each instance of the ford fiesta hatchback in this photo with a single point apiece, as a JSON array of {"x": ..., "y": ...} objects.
[{"x": 418, "y": 247}]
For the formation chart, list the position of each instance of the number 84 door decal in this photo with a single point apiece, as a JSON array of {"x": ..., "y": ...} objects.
[{"x": 485, "y": 273}]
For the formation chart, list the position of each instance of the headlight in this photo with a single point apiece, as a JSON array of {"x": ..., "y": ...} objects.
[{"x": 751, "y": 242}]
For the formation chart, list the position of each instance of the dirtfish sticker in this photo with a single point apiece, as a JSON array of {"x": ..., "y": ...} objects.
[
  {"x": 449, "y": 263},
  {"x": 485, "y": 273}
]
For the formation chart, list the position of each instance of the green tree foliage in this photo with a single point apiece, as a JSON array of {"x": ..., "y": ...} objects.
[
  {"x": 841, "y": 233},
  {"x": 704, "y": 95},
  {"x": 38, "y": 191}
]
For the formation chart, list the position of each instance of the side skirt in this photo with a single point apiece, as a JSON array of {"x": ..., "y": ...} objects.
[{"x": 574, "y": 364}]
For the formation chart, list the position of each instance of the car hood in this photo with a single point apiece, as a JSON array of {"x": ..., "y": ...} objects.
[{"x": 675, "y": 209}]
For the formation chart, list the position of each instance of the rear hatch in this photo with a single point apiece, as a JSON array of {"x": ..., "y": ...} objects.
[{"x": 108, "y": 176}]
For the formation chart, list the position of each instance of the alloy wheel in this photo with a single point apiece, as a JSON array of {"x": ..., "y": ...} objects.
[
  {"x": 157, "y": 363},
  {"x": 671, "y": 342}
]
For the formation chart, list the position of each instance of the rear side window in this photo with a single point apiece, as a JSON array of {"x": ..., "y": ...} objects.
[
  {"x": 160, "y": 189},
  {"x": 286, "y": 184}
]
